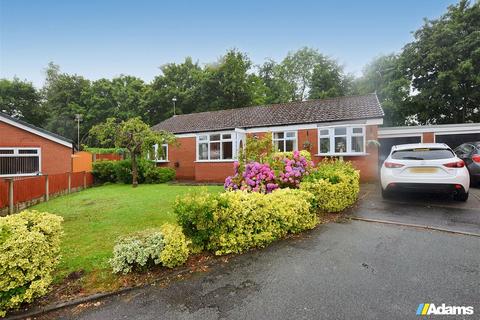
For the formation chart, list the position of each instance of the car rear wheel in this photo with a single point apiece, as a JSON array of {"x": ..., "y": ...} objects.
[
  {"x": 461, "y": 196},
  {"x": 386, "y": 194}
]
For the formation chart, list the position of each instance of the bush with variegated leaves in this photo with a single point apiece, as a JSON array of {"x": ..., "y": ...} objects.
[{"x": 29, "y": 253}]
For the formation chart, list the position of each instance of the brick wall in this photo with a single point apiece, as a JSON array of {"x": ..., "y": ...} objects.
[
  {"x": 182, "y": 158},
  {"x": 56, "y": 158}
]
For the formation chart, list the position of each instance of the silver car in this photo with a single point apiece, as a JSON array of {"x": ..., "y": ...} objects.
[{"x": 469, "y": 152}]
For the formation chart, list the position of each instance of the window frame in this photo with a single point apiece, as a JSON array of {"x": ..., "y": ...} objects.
[
  {"x": 348, "y": 137},
  {"x": 16, "y": 153},
  {"x": 285, "y": 138},
  {"x": 208, "y": 141},
  {"x": 155, "y": 150}
]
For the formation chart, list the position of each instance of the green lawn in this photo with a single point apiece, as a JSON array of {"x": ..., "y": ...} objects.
[{"x": 94, "y": 218}]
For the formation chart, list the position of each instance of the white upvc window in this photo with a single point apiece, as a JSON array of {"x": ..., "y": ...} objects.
[
  {"x": 284, "y": 141},
  {"x": 156, "y": 157},
  {"x": 215, "y": 146},
  {"x": 18, "y": 162},
  {"x": 341, "y": 140}
]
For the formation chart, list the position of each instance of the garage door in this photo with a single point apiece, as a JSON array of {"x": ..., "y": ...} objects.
[
  {"x": 386, "y": 145},
  {"x": 454, "y": 140}
]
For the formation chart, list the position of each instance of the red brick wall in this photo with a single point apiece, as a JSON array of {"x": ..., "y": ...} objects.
[
  {"x": 188, "y": 169},
  {"x": 56, "y": 158},
  {"x": 182, "y": 158},
  {"x": 428, "y": 137},
  {"x": 213, "y": 171}
]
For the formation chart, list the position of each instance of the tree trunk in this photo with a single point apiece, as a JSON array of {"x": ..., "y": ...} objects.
[{"x": 134, "y": 170}]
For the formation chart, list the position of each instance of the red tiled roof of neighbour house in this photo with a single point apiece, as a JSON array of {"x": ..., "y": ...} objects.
[{"x": 310, "y": 111}]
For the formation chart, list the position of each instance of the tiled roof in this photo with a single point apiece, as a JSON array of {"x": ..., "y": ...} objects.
[{"x": 310, "y": 111}]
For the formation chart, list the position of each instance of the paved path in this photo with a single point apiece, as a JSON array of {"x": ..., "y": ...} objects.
[{"x": 354, "y": 270}]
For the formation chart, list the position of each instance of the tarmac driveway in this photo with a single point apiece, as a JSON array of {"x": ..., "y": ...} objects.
[
  {"x": 428, "y": 210},
  {"x": 351, "y": 270}
]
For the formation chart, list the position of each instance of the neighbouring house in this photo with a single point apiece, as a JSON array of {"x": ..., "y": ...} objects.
[
  {"x": 27, "y": 150},
  {"x": 207, "y": 142}
]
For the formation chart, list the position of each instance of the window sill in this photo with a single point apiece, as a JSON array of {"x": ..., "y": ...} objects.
[
  {"x": 351, "y": 154},
  {"x": 161, "y": 161},
  {"x": 213, "y": 161}
]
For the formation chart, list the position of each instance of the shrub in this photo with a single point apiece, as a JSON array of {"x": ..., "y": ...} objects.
[
  {"x": 335, "y": 185},
  {"x": 29, "y": 252},
  {"x": 175, "y": 250},
  {"x": 104, "y": 171},
  {"x": 123, "y": 170},
  {"x": 238, "y": 220},
  {"x": 195, "y": 213},
  {"x": 257, "y": 177},
  {"x": 159, "y": 175},
  {"x": 167, "y": 246},
  {"x": 291, "y": 167},
  {"x": 247, "y": 220}
]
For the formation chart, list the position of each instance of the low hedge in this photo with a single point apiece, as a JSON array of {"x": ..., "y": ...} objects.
[
  {"x": 167, "y": 246},
  {"x": 121, "y": 172},
  {"x": 335, "y": 185},
  {"x": 29, "y": 252},
  {"x": 236, "y": 221}
]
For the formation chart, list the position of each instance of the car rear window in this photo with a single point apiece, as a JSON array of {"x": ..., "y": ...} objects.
[{"x": 422, "y": 154}]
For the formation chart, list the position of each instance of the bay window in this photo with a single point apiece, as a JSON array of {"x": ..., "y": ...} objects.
[
  {"x": 341, "y": 140},
  {"x": 215, "y": 146},
  {"x": 285, "y": 141}
]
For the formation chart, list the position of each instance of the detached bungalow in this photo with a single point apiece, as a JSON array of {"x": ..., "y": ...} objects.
[
  {"x": 27, "y": 150},
  {"x": 209, "y": 141}
]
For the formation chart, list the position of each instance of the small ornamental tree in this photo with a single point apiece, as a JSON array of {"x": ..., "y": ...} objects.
[{"x": 134, "y": 135}]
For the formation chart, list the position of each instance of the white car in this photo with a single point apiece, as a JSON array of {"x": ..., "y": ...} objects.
[{"x": 428, "y": 167}]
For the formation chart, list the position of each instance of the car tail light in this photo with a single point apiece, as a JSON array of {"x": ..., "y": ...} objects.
[
  {"x": 456, "y": 164},
  {"x": 393, "y": 165},
  {"x": 476, "y": 158}
]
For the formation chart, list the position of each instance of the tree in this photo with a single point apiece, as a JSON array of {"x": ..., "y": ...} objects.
[
  {"x": 443, "y": 63},
  {"x": 183, "y": 81},
  {"x": 297, "y": 70},
  {"x": 21, "y": 100},
  {"x": 228, "y": 83},
  {"x": 385, "y": 76},
  {"x": 132, "y": 134},
  {"x": 329, "y": 80},
  {"x": 277, "y": 88},
  {"x": 64, "y": 96}
]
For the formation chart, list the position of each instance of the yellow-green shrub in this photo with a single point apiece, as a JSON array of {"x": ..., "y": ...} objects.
[
  {"x": 175, "y": 249},
  {"x": 29, "y": 252},
  {"x": 245, "y": 220},
  {"x": 335, "y": 185}
]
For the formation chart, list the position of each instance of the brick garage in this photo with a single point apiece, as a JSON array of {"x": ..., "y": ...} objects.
[
  {"x": 208, "y": 142},
  {"x": 54, "y": 152}
]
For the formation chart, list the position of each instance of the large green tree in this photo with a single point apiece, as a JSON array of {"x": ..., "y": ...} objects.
[
  {"x": 443, "y": 63},
  {"x": 21, "y": 100},
  {"x": 229, "y": 83},
  {"x": 385, "y": 76},
  {"x": 329, "y": 80}
]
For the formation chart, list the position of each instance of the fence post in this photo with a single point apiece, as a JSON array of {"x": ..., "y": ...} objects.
[
  {"x": 69, "y": 182},
  {"x": 10, "y": 196},
  {"x": 47, "y": 188},
  {"x": 84, "y": 179}
]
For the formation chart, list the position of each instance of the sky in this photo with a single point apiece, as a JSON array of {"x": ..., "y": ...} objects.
[{"x": 106, "y": 38}]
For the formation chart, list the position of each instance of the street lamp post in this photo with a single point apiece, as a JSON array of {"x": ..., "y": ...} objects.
[
  {"x": 78, "y": 118},
  {"x": 174, "y": 100}
]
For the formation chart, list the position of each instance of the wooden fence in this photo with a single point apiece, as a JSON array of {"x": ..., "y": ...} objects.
[{"x": 19, "y": 193}]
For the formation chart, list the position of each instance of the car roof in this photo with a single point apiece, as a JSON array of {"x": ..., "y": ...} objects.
[{"x": 420, "y": 145}]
